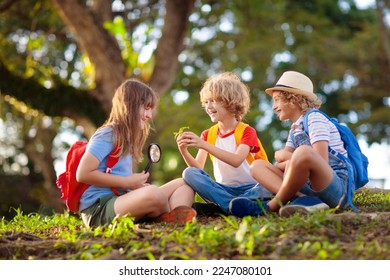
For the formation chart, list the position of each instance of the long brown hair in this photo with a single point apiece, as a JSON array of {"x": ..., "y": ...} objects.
[{"x": 125, "y": 117}]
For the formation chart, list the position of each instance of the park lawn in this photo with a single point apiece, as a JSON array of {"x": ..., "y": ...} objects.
[{"x": 323, "y": 235}]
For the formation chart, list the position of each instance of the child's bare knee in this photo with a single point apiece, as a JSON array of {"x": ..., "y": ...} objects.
[
  {"x": 258, "y": 164},
  {"x": 155, "y": 197},
  {"x": 302, "y": 155}
]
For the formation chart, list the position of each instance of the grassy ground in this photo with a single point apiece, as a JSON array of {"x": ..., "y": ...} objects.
[{"x": 325, "y": 235}]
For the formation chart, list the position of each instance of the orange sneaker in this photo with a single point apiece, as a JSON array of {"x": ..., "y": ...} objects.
[{"x": 179, "y": 215}]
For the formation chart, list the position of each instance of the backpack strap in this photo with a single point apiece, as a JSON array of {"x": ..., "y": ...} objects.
[
  {"x": 212, "y": 137},
  {"x": 261, "y": 154},
  {"x": 238, "y": 132},
  {"x": 212, "y": 134},
  {"x": 340, "y": 156},
  {"x": 113, "y": 159}
]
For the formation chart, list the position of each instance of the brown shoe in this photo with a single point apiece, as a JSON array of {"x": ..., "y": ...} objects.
[{"x": 179, "y": 215}]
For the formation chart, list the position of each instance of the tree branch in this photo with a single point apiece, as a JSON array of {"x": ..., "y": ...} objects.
[
  {"x": 6, "y": 5},
  {"x": 62, "y": 101}
]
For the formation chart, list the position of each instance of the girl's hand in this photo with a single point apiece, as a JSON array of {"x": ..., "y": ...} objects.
[{"x": 136, "y": 180}]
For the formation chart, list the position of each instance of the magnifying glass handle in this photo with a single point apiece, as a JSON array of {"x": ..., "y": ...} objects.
[{"x": 148, "y": 166}]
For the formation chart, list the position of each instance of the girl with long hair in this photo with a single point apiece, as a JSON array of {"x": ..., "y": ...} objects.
[{"x": 124, "y": 191}]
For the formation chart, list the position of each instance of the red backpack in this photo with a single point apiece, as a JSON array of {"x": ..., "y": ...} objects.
[{"x": 71, "y": 189}]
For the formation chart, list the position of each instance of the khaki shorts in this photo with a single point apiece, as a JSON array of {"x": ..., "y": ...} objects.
[{"x": 100, "y": 213}]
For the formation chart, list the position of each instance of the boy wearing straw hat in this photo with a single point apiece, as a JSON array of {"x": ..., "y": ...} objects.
[{"x": 304, "y": 169}]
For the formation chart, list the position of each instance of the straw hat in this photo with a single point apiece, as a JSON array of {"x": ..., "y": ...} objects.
[{"x": 294, "y": 82}]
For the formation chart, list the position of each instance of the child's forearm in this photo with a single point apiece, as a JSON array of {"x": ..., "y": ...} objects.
[
  {"x": 233, "y": 159},
  {"x": 102, "y": 179},
  {"x": 190, "y": 160}
]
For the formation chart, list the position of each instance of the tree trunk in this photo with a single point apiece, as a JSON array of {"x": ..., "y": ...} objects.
[
  {"x": 101, "y": 47},
  {"x": 171, "y": 44},
  {"x": 104, "y": 51},
  {"x": 43, "y": 160}
]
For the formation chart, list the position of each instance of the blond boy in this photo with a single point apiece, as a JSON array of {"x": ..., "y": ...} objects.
[{"x": 226, "y": 100}]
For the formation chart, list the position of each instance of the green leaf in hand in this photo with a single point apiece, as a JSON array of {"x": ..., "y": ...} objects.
[{"x": 180, "y": 131}]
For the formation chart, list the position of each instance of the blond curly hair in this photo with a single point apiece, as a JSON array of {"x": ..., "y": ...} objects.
[
  {"x": 228, "y": 89},
  {"x": 304, "y": 103}
]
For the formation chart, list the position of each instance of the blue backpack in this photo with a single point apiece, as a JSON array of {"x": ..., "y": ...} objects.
[{"x": 356, "y": 158}]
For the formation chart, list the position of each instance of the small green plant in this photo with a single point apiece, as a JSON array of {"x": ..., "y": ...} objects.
[
  {"x": 371, "y": 199},
  {"x": 181, "y": 130}
]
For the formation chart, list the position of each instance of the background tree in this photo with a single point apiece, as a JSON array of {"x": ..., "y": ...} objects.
[{"x": 60, "y": 62}]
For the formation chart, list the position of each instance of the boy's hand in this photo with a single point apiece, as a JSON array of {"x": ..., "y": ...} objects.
[
  {"x": 190, "y": 139},
  {"x": 177, "y": 133},
  {"x": 282, "y": 165},
  {"x": 181, "y": 142},
  {"x": 282, "y": 155}
]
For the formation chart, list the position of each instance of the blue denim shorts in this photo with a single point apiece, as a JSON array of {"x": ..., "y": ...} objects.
[{"x": 335, "y": 194}]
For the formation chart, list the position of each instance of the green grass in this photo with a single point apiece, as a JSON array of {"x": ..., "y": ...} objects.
[{"x": 323, "y": 235}]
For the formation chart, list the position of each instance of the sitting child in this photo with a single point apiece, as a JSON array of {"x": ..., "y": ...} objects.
[
  {"x": 305, "y": 166},
  {"x": 231, "y": 144}
]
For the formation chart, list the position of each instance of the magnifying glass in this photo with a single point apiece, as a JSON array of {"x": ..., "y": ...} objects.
[{"x": 154, "y": 155}]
